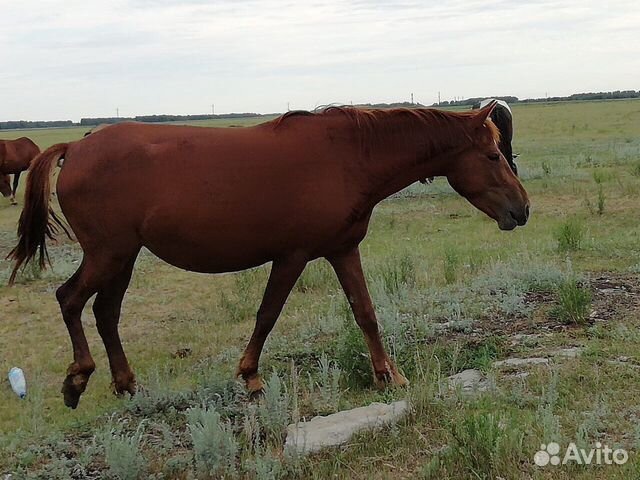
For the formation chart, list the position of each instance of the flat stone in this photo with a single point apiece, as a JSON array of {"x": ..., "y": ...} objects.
[
  {"x": 572, "y": 352},
  {"x": 526, "y": 336},
  {"x": 521, "y": 362},
  {"x": 469, "y": 381},
  {"x": 610, "y": 291},
  {"x": 523, "y": 338},
  {"x": 336, "y": 429},
  {"x": 442, "y": 326},
  {"x": 620, "y": 363}
]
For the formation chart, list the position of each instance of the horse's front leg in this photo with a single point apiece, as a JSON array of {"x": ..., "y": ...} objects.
[
  {"x": 16, "y": 180},
  {"x": 284, "y": 274},
  {"x": 349, "y": 270}
]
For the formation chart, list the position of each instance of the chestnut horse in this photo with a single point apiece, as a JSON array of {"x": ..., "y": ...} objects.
[
  {"x": 287, "y": 191},
  {"x": 15, "y": 158}
]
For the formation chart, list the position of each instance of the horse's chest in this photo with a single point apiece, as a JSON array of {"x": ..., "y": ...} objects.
[{"x": 348, "y": 237}]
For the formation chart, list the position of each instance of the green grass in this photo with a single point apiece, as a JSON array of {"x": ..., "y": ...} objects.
[
  {"x": 570, "y": 235},
  {"x": 574, "y": 302},
  {"x": 430, "y": 258}
]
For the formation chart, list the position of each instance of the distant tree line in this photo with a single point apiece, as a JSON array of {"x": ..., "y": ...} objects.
[
  {"x": 473, "y": 100},
  {"x": 92, "y": 121},
  {"x": 618, "y": 94},
  {"x": 162, "y": 118},
  {"x": 391, "y": 105},
  {"x": 13, "y": 124}
]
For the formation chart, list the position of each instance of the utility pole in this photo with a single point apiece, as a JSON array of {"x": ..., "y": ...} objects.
[
  {"x": 412, "y": 99},
  {"x": 213, "y": 109},
  {"x": 438, "y": 98},
  {"x": 117, "y": 112},
  {"x": 288, "y": 109}
]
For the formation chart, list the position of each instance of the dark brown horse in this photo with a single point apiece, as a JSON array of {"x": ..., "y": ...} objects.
[
  {"x": 15, "y": 158},
  {"x": 503, "y": 119},
  {"x": 287, "y": 191}
]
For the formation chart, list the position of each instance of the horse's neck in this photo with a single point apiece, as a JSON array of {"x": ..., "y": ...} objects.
[{"x": 396, "y": 165}]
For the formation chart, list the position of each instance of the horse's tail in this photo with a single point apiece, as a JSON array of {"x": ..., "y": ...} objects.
[{"x": 37, "y": 220}]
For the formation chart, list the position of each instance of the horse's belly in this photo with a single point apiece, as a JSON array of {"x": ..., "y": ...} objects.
[
  {"x": 223, "y": 243},
  {"x": 209, "y": 257},
  {"x": 209, "y": 263}
]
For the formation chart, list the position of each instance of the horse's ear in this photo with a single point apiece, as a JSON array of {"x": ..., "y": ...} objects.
[{"x": 485, "y": 113}]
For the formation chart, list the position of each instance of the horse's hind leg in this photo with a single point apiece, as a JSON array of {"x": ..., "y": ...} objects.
[
  {"x": 283, "y": 276},
  {"x": 349, "y": 270},
  {"x": 106, "y": 309},
  {"x": 72, "y": 298},
  {"x": 16, "y": 179},
  {"x": 95, "y": 272}
]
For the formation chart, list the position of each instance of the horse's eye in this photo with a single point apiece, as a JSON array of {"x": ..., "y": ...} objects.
[{"x": 494, "y": 156}]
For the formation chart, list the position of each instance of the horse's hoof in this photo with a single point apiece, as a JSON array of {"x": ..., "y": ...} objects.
[
  {"x": 256, "y": 395},
  {"x": 255, "y": 387},
  {"x": 125, "y": 384},
  {"x": 391, "y": 378},
  {"x": 72, "y": 388}
]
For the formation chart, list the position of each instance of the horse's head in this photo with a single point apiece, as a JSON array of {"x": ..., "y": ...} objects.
[{"x": 483, "y": 176}]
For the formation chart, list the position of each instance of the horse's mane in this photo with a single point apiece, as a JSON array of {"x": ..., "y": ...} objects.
[{"x": 443, "y": 126}]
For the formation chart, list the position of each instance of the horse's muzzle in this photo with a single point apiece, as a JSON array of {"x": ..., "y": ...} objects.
[{"x": 514, "y": 218}]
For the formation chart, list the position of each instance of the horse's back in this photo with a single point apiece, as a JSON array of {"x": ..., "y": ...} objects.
[
  {"x": 18, "y": 154},
  {"x": 212, "y": 190}
]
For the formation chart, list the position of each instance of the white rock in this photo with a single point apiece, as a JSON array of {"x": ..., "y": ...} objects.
[
  {"x": 521, "y": 362},
  {"x": 572, "y": 352},
  {"x": 337, "y": 428},
  {"x": 523, "y": 338},
  {"x": 469, "y": 381}
]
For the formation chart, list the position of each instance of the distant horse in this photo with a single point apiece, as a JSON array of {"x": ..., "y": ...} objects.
[
  {"x": 287, "y": 191},
  {"x": 502, "y": 117},
  {"x": 15, "y": 157}
]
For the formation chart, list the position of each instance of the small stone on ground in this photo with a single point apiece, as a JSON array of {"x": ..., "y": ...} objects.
[
  {"x": 572, "y": 352},
  {"x": 520, "y": 362},
  {"x": 469, "y": 381}
]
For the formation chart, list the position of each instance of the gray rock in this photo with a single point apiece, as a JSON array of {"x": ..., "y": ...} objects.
[
  {"x": 523, "y": 338},
  {"x": 337, "y": 428},
  {"x": 572, "y": 352},
  {"x": 623, "y": 361},
  {"x": 469, "y": 381},
  {"x": 520, "y": 362}
]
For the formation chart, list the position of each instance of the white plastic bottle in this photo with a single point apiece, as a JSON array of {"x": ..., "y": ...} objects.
[{"x": 18, "y": 382}]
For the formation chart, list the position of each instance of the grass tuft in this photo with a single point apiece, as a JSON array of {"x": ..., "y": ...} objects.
[
  {"x": 574, "y": 302},
  {"x": 214, "y": 444},
  {"x": 570, "y": 235}
]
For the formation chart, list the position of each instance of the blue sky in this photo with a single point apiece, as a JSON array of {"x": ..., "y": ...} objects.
[{"x": 66, "y": 60}]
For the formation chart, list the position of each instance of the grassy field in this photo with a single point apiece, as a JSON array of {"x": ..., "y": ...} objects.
[{"x": 452, "y": 292}]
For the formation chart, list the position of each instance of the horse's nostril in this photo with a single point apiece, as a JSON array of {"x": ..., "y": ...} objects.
[{"x": 526, "y": 211}]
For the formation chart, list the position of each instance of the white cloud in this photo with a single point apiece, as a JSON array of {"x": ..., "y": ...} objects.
[{"x": 83, "y": 58}]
